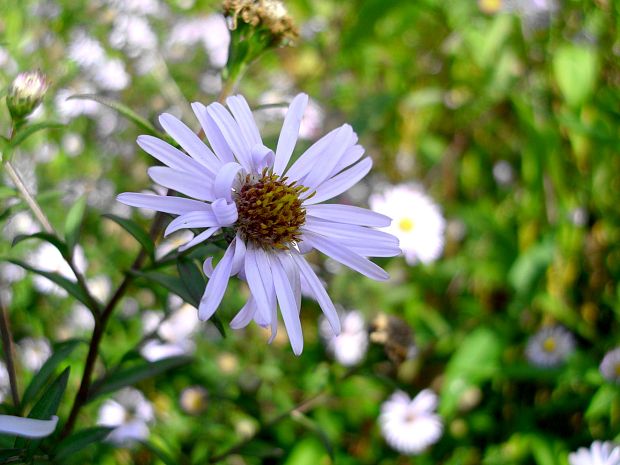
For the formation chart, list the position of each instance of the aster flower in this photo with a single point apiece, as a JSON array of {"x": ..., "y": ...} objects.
[
  {"x": 599, "y": 453},
  {"x": 350, "y": 346},
  {"x": 550, "y": 346},
  {"x": 610, "y": 365},
  {"x": 273, "y": 208},
  {"x": 410, "y": 426},
  {"x": 129, "y": 413}
]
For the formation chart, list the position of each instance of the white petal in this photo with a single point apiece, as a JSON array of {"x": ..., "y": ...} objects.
[
  {"x": 213, "y": 133},
  {"x": 288, "y": 305},
  {"x": 27, "y": 427},
  {"x": 226, "y": 213},
  {"x": 326, "y": 164},
  {"x": 230, "y": 131},
  {"x": 201, "y": 219},
  {"x": 182, "y": 182},
  {"x": 352, "y": 154},
  {"x": 166, "y": 204},
  {"x": 216, "y": 286},
  {"x": 190, "y": 142},
  {"x": 258, "y": 276},
  {"x": 241, "y": 111},
  {"x": 290, "y": 132},
  {"x": 225, "y": 179},
  {"x": 308, "y": 160},
  {"x": 341, "y": 182},
  {"x": 245, "y": 315},
  {"x": 171, "y": 156},
  {"x": 203, "y": 236}
]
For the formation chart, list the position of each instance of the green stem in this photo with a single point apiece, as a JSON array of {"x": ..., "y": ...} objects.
[{"x": 9, "y": 352}]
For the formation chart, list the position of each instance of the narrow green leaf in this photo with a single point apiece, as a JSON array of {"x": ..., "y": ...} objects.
[
  {"x": 61, "y": 352},
  {"x": 69, "y": 286},
  {"x": 136, "y": 231},
  {"x": 31, "y": 129},
  {"x": 6, "y": 192},
  {"x": 73, "y": 223},
  {"x": 159, "y": 453},
  {"x": 313, "y": 427},
  {"x": 122, "y": 109},
  {"x": 46, "y": 406},
  {"x": 134, "y": 374},
  {"x": 80, "y": 440},
  {"x": 52, "y": 239},
  {"x": 192, "y": 278}
]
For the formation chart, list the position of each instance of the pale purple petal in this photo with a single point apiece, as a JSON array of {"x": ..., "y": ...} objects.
[
  {"x": 195, "y": 219},
  {"x": 425, "y": 401},
  {"x": 258, "y": 276},
  {"x": 171, "y": 156},
  {"x": 216, "y": 286},
  {"x": 326, "y": 164},
  {"x": 349, "y": 232},
  {"x": 239, "y": 257},
  {"x": 222, "y": 188},
  {"x": 262, "y": 157},
  {"x": 226, "y": 213},
  {"x": 207, "y": 267},
  {"x": 27, "y": 427},
  {"x": 352, "y": 154},
  {"x": 344, "y": 255},
  {"x": 319, "y": 292},
  {"x": 190, "y": 142},
  {"x": 341, "y": 182},
  {"x": 348, "y": 214},
  {"x": 245, "y": 315},
  {"x": 166, "y": 204},
  {"x": 308, "y": 160},
  {"x": 243, "y": 115},
  {"x": 203, "y": 236},
  {"x": 230, "y": 130},
  {"x": 289, "y": 132},
  {"x": 181, "y": 182},
  {"x": 288, "y": 305},
  {"x": 213, "y": 133}
]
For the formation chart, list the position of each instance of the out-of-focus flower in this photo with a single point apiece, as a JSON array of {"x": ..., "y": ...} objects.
[
  {"x": 4, "y": 381},
  {"x": 535, "y": 14},
  {"x": 175, "y": 333},
  {"x": 410, "y": 426},
  {"x": 19, "y": 223},
  {"x": 47, "y": 258},
  {"x": 270, "y": 14},
  {"x": 129, "y": 413},
  {"x": 503, "y": 173},
  {"x": 25, "y": 93},
  {"x": 350, "y": 346},
  {"x": 133, "y": 34},
  {"x": 416, "y": 221},
  {"x": 211, "y": 31},
  {"x": 610, "y": 365},
  {"x": 173, "y": 242},
  {"x": 85, "y": 51},
  {"x": 100, "y": 287},
  {"x": 193, "y": 400},
  {"x": 275, "y": 211},
  {"x": 599, "y": 453},
  {"x": 33, "y": 352},
  {"x": 395, "y": 335},
  {"x": 77, "y": 323},
  {"x": 111, "y": 75},
  {"x": 550, "y": 346},
  {"x": 72, "y": 108}
]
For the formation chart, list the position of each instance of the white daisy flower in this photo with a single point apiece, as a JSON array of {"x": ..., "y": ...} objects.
[
  {"x": 410, "y": 426},
  {"x": 417, "y": 221},
  {"x": 610, "y": 365},
  {"x": 129, "y": 413},
  {"x": 599, "y": 453},
  {"x": 350, "y": 346},
  {"x": 33, "y": 352},
  {"x": 550, "y": 346},
  {"x": 273, "y": 208},
  {"x": 47, "y": 258}
]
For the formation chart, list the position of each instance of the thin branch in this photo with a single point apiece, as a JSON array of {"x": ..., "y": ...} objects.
[{"x": 9, "y": 352}]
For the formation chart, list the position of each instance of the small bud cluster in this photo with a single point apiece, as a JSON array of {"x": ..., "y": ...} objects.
[
  {"x": 271, "y": 14},
  {"x": 25, "y": 93}
]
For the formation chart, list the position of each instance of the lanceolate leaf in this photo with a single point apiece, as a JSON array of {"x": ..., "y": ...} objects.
[
  {"x": 122, "y": 109},
  {"x": 62, "y": 351},
  {"x": 192, "y": 278},
  {"x": 73, "y": 222},
  {"x": 79, "y": 440},
  {"x": 30, "y": 129},
  {"x": 136, "y": 231},
  {"x": 52, "y": 239},
  {"x": 134, "y": 374},
  {"x": 69, "y": 286}
]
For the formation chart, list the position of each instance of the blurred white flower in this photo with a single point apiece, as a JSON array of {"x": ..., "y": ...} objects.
[
  {"x": 211, "y": 31},
  {"x": 129, "y": 413},
  {"x": 133, "y": 34},
  {"x": 410, "y": 426},
  {"x": 100, "y": 287},
  {"x": 79, "y": 322},
  {"x": 111, "y": 75},
  {"x": 33, "y": 352},
  {"x": 175, "y": 333},
  {"x": 72, "y": 144},
  {"x": 312, "y": 122},
  {"x": 550, "y": 346},
  {"x": 138, "y": 7},
  {"x": 19, "y": 223},
  {"x": 350, "y": 346},
  {"x": 5, "y": 387},
  {"x": 85, "y": 51},
  {"x": 610, "y": 365},
  {"x": 173, "y": 242},
  {"x": 47, "y": 258},
  {"x": 193, "y": 400},
  {"x": 503, "y": 173},
  {"x": 417, "y": 221},
  {"x": 599, "y": 453},
  {"x": 69, "y": 109}
]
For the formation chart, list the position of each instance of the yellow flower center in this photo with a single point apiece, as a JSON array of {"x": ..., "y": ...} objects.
[
  {"x": 406, "y": 224},
  {"x": 549, "y": 344},
  {"x": 270, "y": 211}
]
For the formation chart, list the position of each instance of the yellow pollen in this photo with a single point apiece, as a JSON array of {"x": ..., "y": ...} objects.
[
  {"x": 406, "y": 224},
  {"x": 549, "y": 345}
]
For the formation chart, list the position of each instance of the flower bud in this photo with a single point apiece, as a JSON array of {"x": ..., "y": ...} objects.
[
  {"x": 25, "y": 93},
  {"x": 268, "y": 15}
]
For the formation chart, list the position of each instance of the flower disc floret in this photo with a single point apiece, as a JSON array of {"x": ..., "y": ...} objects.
[{"x": 270, "y": 211}]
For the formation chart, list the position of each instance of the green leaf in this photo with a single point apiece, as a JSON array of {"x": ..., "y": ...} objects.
[
  {"x": 31, "y": 129},
  {"x": 73, "y": 223},
  {"x": 576, "y": 70},
  {"x": 134, "y": 374},
  {"x": 51, "y": 238},
  {"x": 7, "y": 192},
  {"x": 192, "y": 278},
  {"x": 136, "y": 231},
  {"x": 46, "y": 406},
  {"x": 602, "y": 402},
  {"x": 62, "y": 351},
  {"x": 11, "y": 455},
  {"x": 313, "y": 427},
  {"x": 122, "y": 109},
  {"x": 159, "y": 453},
  {"x": 530, "y": 265},
  {"x": 80, "y": 440},
  {"x": 69, "y": 286}
]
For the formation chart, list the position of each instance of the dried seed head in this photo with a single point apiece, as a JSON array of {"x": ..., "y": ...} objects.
[{"x": 270, "y": 14}]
